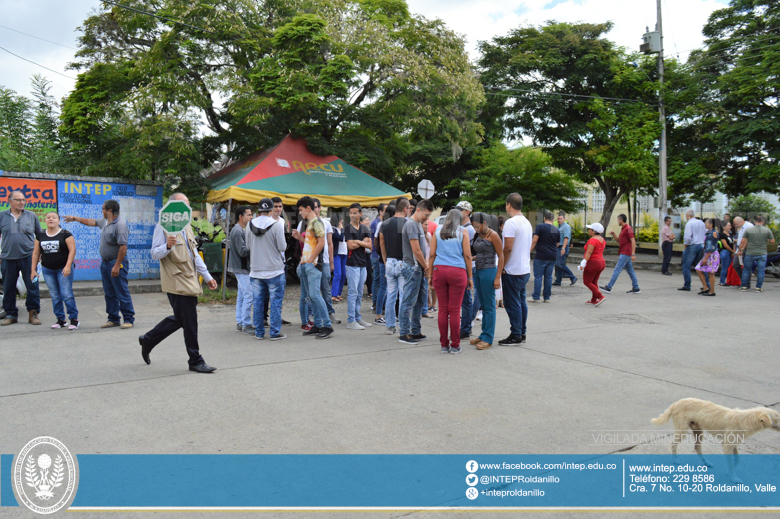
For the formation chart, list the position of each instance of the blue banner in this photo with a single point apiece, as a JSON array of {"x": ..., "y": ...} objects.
[
  {"x": 139, "y": 210},
  {"x": 423, "y": 482}
]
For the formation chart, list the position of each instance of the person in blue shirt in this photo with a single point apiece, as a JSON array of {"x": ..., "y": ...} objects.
[{"x": 561, "y": 270}]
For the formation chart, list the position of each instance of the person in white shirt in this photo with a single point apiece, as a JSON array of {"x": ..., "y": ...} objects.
[
  {"x": 694, "y": 246},
  {"x": 740, "y": 226},
  {"x": 517, "y": 235}
]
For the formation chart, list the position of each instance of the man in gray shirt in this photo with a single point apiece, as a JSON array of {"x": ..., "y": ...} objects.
[
  {"x": 238, "y": 264},
  {"x": 415, "y": 271},
  {"x": 115, "y": 266},
  {"x": 18, "y": 229}
]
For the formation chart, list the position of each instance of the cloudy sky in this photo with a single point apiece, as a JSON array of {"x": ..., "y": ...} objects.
[{"x": 58, "y": 20}]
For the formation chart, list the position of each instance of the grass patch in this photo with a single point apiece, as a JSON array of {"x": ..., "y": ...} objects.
[{"x": 214, "y": 297}]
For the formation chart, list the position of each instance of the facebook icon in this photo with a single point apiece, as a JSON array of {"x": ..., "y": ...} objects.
[{"x": 472, "y": 466}]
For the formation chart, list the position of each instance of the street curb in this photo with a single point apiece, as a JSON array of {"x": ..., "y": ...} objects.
[{"x": 145, "y": 288}]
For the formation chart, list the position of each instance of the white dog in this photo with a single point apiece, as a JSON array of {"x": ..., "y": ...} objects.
[{"x": 732, "y": 426}]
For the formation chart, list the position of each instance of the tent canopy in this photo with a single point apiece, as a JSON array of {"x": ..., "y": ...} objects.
[{"x": 289, "y": 170}]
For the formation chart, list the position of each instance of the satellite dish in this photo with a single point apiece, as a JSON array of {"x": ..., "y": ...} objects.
[{"x": 425, "y": 189}]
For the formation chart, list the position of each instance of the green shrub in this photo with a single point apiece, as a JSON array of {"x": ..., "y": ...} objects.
[
  {"x": 578, "y": 230},
  {"x": 649, "y": 231}
]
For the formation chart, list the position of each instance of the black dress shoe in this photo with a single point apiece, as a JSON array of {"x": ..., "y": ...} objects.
[
  {"x": 511, "y": 341},
  {"x": 286, "y": 323},
  {"x": 465, "y": 335},
  {"x": 419, "y": 337},
  {"x": 684, "y": 289},
  {"x": 145, "y": 350},
  {"x": 202, "y": 368}
]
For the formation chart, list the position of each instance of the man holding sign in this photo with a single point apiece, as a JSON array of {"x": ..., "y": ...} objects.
[{"x": 175, "y": 248}]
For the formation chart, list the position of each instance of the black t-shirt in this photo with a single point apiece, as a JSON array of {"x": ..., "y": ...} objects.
[
  {"x": 54, "y": 250},
  {"x": 357, "y": 257},
  {"x": 392, "y": 229},
  {"x": 547, "y": 245}
]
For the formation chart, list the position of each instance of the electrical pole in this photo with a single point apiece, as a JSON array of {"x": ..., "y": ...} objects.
[{"x": 662, "y": 144}]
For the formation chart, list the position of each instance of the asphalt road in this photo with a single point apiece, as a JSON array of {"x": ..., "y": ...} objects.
[{"x": 582, "y": 370}]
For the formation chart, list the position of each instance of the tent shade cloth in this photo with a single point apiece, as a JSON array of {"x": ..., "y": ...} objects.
[{"x": 289, "y": 170}]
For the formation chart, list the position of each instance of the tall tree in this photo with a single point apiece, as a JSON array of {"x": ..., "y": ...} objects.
[
  {"x": 573, "y": 92},
  {"x": 524, "y": 170},
  {"x": 741, "y": 68},
  {"x": 361, "y": 78}
]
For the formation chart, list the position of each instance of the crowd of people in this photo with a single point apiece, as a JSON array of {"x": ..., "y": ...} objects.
[{"x": 408, "y": 262}]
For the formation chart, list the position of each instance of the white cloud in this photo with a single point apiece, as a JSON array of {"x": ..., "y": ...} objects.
[
  {"x": 57, "y": 21},
  {"x": 481, "y": 21}
]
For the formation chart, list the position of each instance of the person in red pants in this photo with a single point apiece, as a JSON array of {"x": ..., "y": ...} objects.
[
  {"x": 593, "y": 263},
  {"x": 450, "y": 257}
]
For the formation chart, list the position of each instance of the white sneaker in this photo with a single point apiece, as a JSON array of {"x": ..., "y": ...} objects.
[
  {"x": 390, "y": 330},
  {"x": 479, "y": 316},
  {"x": 364, "y": 324},
  {"x": 355, "y": 326}
]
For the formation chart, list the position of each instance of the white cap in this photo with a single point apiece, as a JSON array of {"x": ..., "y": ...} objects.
[
  {"x": 464, "y": 205},
  {"x": 597, "y": 227}
]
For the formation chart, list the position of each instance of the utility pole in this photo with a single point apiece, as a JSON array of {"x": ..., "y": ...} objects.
[
  {"x": 654, "y": 44},
  {"x": 662, "y": 144}
]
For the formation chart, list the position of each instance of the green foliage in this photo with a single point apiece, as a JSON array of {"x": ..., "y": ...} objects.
[
  {"x": 29, "y": 140},
  {"x": 649, "y": 231},
  {"x": 748, "y": 206},
  {"x": 601, "y": 141},
  {"x": 215, "y": 232},
  {"x": 527, "y": 171},
  {"x": 738, "y": 82},
  {"x": 363, "y": 79},
  {"x": 578, "y": 230}
]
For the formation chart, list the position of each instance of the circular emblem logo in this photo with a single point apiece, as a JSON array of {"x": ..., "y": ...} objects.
[{"x": 45, "y": 475}]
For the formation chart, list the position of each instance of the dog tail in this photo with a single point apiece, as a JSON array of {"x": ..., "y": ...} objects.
[{"x": 664, "y": 417}]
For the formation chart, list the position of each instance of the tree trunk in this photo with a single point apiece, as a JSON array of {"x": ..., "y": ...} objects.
[
  {"x": 612, "y": 196},
  {"x": 630, "y": 214}
]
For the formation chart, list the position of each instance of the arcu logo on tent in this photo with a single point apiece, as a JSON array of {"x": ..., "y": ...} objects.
[{"x": 45, "y": 475}]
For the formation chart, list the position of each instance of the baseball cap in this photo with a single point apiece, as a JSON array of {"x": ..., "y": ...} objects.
[
  {"x": 266, "y": 204},
  {"x": 597, "y": 227},
  {"x": 464, "y": 205}
]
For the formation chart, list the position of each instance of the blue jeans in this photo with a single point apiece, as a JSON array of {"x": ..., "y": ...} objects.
[
  {"x": 339, "y": 274},
  {"x": 561, "y": 269},
  {"x": 412, "y": 302},
  {"x": 356, "y": 278},
  {"x": 11, "y": 270},
  {"x": 325, "y": 288},
  {"x": 690, "y": 257},
  {"x": 424, "y": 289},
  {"x": 273, "y": 289},
  {"x": 543, "y": 271},
  {"x": 311, "y": 293},
  {"x": 244, "y": 300},
  {"x": 514, "y": 302},
  {"x": 381, "y": 291},
  {"x": 483, "y": 284},
  {"x": 375, "y": 280},
  {"x": 116, "y": 292},
  {"x": 725, "y": 262},
  {"x": 624, "y": 261},
  {"x": 748, "y": 269},
  {"x": 395, "y": 288},
  {"x": 468, "y": 310},
  {"x": 61, "y": 291}
]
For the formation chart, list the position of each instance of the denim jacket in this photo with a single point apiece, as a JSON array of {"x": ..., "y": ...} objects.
[{"x": 711, "y": 241}]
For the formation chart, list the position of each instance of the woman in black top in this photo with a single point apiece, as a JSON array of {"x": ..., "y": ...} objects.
[
  {"x": 726, "y": 251},
  {"x": 486, "y": 246},
  {"x": 56, "y": 249}
]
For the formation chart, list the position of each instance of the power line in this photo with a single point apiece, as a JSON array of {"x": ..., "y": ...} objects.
[
  {"x": 140, "y": 11},
  {"x": 38, "y": 38},
  {"x": 34, "y": 63},
  {"x": 569, "y": 95}
]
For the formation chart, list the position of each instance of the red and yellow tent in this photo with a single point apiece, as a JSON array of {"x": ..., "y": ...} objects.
[{"x": 289, "y": 170}]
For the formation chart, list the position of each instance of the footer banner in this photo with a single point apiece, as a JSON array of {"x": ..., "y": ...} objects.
[{"x": 46, "y": 475}]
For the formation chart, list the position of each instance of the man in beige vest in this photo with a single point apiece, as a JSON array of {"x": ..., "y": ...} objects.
[{"x": 180, "y": 265}]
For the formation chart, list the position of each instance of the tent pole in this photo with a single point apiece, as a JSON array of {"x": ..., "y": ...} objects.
[{"x": 227, "y": 250}]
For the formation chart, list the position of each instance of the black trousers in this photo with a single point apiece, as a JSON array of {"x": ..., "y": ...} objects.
[
  {"x": 666, "y": 247},
  {"x": 185, "y": 316}
]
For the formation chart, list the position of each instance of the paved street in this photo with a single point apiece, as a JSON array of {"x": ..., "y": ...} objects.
[{"x": 582, "y": 370}]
